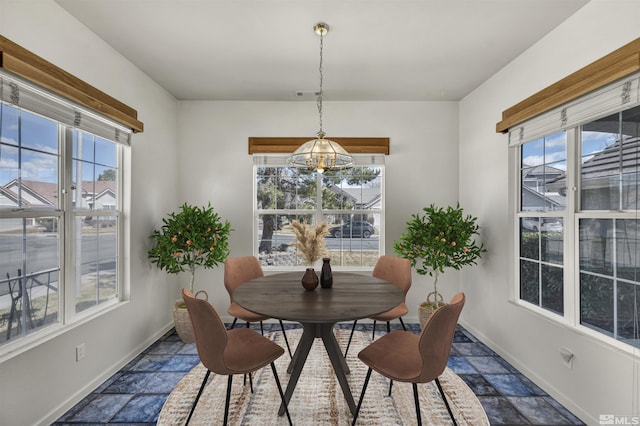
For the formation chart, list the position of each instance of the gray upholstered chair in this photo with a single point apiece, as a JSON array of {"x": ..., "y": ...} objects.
[
  {"x": 407, "y": 357},
  {"x": 228, "y": 352}
]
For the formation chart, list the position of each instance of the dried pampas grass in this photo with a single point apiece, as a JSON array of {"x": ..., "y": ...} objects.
[{"x": 310, "y": 240}]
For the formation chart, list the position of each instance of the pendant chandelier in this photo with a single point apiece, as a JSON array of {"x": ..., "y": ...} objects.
[{"x": 320, "y": 154}]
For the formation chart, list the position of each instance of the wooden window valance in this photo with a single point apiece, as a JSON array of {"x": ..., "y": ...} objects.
[
  {"x": 612, "y": 67},
  {"x": 35, "y": 69},
  {"x": 265, "y": 145}
]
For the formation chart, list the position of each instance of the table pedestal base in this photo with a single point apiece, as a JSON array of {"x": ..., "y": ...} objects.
[{"x": 310, "y": 332}]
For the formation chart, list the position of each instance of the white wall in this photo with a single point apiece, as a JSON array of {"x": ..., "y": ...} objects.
[
  {"x": 422, "y": 167},
  {"x": 603, "y": 380},
  {"x": 39, "y": 385}
]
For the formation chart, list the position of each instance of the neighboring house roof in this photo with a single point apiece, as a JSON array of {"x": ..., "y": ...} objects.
[
  {"x": 543, "y": 170},
  {"x": 553, "y": 199},
  {"x": 597, "y": 170},
  {"x": 610, "y": 160},
  {"x": 46, "y": 193},
  {"x": 101, "y": 187},
  {"x": 362, "y": 197},
  {"x": 8, "y": 195}
]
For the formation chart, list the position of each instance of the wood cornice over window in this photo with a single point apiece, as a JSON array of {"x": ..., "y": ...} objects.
[
  {"x": 287, "y": 145},
  {"x": 605, "y": 70},
  {"x": 33, "y": 68}
]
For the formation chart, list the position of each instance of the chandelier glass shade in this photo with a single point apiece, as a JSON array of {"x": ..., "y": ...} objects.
[{"x": 320, "y": 154}]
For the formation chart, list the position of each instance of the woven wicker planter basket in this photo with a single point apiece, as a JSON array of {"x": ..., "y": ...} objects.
[
  {"x": 182, "y": 320},
  {"x": 426, "y": 309}
]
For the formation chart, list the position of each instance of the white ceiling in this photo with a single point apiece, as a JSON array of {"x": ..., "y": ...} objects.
[{"x": 267, "y": 49}]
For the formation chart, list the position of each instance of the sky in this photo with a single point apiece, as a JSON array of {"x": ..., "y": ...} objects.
[
  {"x": 552, "y": 150},
  {"x": 32, "y": 141}
]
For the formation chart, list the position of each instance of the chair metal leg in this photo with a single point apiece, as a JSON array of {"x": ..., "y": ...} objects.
[
  {"x": 285, "y": 338},
  {"x": 350, "y": 337},
  {"x": 402, "y": 323},
  {"x": 373, "y": 335},
  {"x": 226, "y": 404},
  {"x": 251, "y": 382},
  {"x": 364, "y": 388},
  {"x": 193, "y": 407},
  {"x": 388, "y": 326},
  {"x": 286, "y": 409},
  {"x": 416, "y": 399},
  {"x": 444, "y": 398},
  {"x": 261, "y": 329},
  {"x": 233, "y": 324},
  {"x": 390, "y": 386}
]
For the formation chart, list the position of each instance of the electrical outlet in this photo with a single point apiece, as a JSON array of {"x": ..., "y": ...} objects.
[
  {"x": 81, "y": 351},
  {"x": 567, "y": 357}
]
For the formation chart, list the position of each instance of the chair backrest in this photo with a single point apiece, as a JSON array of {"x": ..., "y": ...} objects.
[
  {"x": 238, "y": 270},
  {"x": 396, "y": 270},
  {"x": 437, "y": 336},
  {"x": 209, "y": 332}
]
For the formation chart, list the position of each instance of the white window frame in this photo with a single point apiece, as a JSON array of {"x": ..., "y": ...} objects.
[
  {"x": 374, "y": 160},
  {"x": 618, "y": 96},
  {"x": 69, "y": 116}
]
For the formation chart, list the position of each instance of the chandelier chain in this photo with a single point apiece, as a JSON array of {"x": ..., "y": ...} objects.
[
  {"x": 320, "y": 93},
  {"x": 320, "y": 154}
]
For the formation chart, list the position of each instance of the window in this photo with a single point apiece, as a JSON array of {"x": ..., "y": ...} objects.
[
  {"x": 95, "y": 173},
  {"x": 60, "y": 211},
  {"x": 542, "y": 204},
  {"x": 609, "y": 240},
  {"x": 351, "y": 201},
  {"x": 578, "y": 239}
]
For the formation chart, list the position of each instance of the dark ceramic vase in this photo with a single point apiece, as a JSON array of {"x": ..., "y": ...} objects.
[
  {"x": 326, "y": 276},
  {"x": 310, "y": 279}
]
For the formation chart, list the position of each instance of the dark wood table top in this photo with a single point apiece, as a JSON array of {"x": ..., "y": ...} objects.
[{"x": 353, "y": 296}]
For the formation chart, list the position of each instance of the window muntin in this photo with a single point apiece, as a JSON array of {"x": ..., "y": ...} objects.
[
  {"x": 96, "y": 264},
  {"x": 541, "y": 262},
  {"x": 354, "y": 239},
  {"x": 94, "y": 159},
  {"x": 29, "y": 158},
  {"x": 543, "y": 163},
  {"x": 609, "y": 241},
  {"x": 95, "y": 200},
  {"x": 284, "y": 188},
  {"x": 33, "y": 235},
  {"x": 609, "y": 282},
  {"x": 349, "y": 200},
  {"x": 609, "y": 162}
]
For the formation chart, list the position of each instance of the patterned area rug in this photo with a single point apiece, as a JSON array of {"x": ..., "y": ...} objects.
[{"x": 318, "y": 398}]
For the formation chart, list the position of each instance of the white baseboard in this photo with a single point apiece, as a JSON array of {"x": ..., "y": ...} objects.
[
  {"x": 562, "y": 398},
  {"x": 91, "y": 386}
]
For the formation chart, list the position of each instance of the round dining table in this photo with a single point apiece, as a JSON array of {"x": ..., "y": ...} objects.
[{"x": 353, "y": 296}]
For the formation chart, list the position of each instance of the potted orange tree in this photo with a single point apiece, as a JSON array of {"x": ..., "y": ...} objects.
[
  {"x": 191, "y": 238},
  {"x": 438, "y": 239}
]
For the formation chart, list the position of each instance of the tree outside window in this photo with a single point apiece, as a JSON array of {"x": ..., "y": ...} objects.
[{"x": 350, "y": 201}]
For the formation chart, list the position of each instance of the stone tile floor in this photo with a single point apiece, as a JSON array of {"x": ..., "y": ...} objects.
[{"x": 135, "y": 394}]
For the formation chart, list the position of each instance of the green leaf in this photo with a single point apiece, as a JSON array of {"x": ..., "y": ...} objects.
[
  {"x": 191, "y": 238},
  {"x": 440, "y": 238}
]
